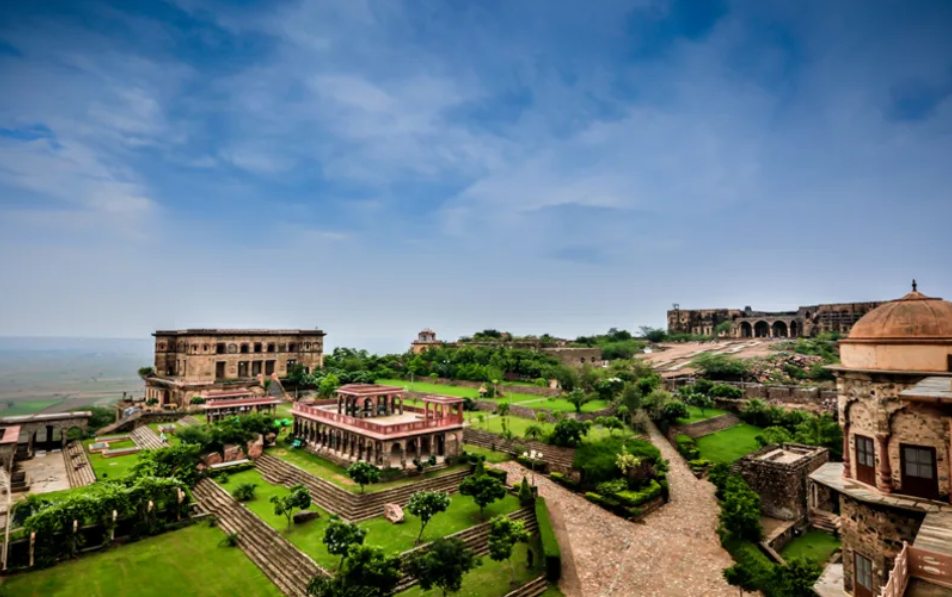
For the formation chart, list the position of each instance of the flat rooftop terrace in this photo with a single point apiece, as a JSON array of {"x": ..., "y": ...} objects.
[{"x": 831, "y": 475}]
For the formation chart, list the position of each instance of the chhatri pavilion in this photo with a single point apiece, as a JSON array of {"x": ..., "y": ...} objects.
[{"x": 371, "y": 423}]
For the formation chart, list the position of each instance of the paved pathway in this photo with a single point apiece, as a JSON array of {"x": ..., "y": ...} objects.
[{"x": 675, "y": 553}]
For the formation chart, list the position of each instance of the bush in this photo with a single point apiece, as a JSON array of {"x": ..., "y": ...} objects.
[
  {"x": 699, "y": 465},
  {"x": 525, "y": 492},
  {"x": 740, "y": 511},
  {"x": 497, "y": 473},
  {"x": 687, "y": 447},
  {"x": 774, "y": 435},
  {"x": 568, "y": 433},
  {"x": 550, "y": 546},
  {"x": 540, "y": 466},
  {"x": 703, "y": 386},
  {"x": 245, "y": 492},
  {"x": 612, "y": 487},
  {"x": 634, "y": 499},
  {"x": 726, "y": 391},
  {"x": 720, "y": 366},
  {"x": 564, "y": 481}
]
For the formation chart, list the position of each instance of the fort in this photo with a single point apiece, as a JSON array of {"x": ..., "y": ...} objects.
[
  {"x": 567, "y": 355},
  {"x": 747, "y": 323}
]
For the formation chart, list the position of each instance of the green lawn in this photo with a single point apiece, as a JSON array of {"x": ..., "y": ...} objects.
[
  {"x": 730, "y": 444},
  {"x": 491, "y": 579},
  {"x": 393, "y": 538},
  {"x": 116, "y": 467},
  {"x": 813, "y": 544},
  {"x": 518, "y": 425},
  {"x": 492, "y": 456},
  {"x": 336, "y": 474},
  {"x": 459, "y": 391},
  {"x": 696, "y": 415},
  {"x": 183, "y": 562},
  {"x": 563, "y": 405},
  {"x": 126, "y": 443},
  {"x": 173, "y": 441}
]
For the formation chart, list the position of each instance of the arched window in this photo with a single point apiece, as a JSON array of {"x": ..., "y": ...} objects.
[
  {"x": 292, "y": 347},
  {"x": 232, "y": 348},
  {"x": 244, "y": 348}
]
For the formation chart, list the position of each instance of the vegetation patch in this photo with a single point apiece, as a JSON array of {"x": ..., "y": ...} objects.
[
  {"x": 728, "y": 445},
  {"x": 813, "y": 544}
]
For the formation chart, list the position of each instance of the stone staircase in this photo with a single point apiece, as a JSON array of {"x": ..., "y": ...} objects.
[
  {"x": 121, "y": 424},
  {"x": 825, "y": 521},
  {"x": 533, "y": 588},
  {"x": 348, "y": 505},
  {"x": 288, "y": 567},
  {"x": 477, "y": 539},
  {"x": 146, "y": 439},
  {"x": 189, "y": 420},
  {"x": 78, "y": 469}
]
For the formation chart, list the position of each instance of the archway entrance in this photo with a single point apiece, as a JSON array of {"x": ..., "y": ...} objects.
[
  {"x": 779, "y": 329},
  {"x": 396, "y": 453},
  {"x": 745, "y": 330},
  {"x": 761, "y": 329},
  {"x": 794, "y": 329}
]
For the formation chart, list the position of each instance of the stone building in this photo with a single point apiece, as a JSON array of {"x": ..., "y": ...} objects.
[
  {"x": 190, "y": 362},
  {"x": 370, "y": 423},
  {"x": 779, "y": 475},
  {"x": 747, "y": 323},
  {"x": 893, "y": 487},
  {"x": 425, "y": 339}
]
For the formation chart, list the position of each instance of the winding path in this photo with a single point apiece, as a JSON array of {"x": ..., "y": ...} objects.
[{"x": 674, "y": 553}]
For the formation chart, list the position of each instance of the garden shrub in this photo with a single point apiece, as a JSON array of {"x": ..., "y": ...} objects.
[
  {"x": 612, "y": 487},
  {"x": 497, "y": 473},
  {"x": 564, "y": 481},
  {"x": 539, "y": 466},
  {"x": 726, "y": 391},
  {"x": 597, "y": 461},
  {"x": 687, "y": 447},
  {"x": 550, "y": 546},
  {"x": 643, "y": 496}
]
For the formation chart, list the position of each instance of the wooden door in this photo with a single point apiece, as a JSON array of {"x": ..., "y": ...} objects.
[
  {"x": 862, "y": 577},
  {"x": 865, "y": 460},
  {"x": 919, "y": 473}
]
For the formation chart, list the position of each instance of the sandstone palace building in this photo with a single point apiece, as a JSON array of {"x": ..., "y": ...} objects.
[
  {"x": 891, "y": 494},
  {"x": 212, "y": 363},
  {"x": 747, "y": 323}
]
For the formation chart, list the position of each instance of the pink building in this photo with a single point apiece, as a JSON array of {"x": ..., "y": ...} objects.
[{"x": 371, "y": 423}]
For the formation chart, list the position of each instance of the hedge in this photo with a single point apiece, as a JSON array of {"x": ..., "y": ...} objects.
[
  {"x": 564, "y": 481},
  {"x": 687, "y": 447},
  {"x": 540, "y": 466},
  {"x": 761, "y": 568},
  {"x": 498, "y": 473},
  {"x": 633, "y": 499},
  {"x": 550, "y": 546}
]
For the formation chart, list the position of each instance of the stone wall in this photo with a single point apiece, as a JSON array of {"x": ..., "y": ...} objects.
[
  {"x": 705, "y": 427},
  {"x": 817, "y": 398},
  {"x": 782, "y": 485},
  {"x": 876, "y": 533},
  {"x": 558, "y": 459}
]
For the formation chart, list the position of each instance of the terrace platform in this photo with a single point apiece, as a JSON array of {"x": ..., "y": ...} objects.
[{"x": 831, "y": 475}]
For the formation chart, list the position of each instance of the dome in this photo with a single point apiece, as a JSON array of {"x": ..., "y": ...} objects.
[{"x": 913, "y": 317}]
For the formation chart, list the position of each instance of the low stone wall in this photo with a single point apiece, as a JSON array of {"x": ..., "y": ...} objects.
[
  {"x": 823, "y": 399},
  {"x": 558, "y": 459},
  {"x": 705, "y": 427}
]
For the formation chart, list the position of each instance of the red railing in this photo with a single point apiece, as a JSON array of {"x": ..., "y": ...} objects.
[{"x": 371, "y": 425}]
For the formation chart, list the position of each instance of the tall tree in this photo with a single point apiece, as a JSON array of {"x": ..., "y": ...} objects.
[
  {"x": 285, "y": 505},
  {"x": 443, "y": 565},
  {"x": 484, "y": 489},
  {"x": 363, "y": 473},
  {"x": 504, "y": 533},
  {"x": 427, "y": 504},
  {"x": 340, "y": 535}
]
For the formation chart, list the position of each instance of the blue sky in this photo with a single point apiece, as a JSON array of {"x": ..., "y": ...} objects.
[{"x": 374, "y": 168}]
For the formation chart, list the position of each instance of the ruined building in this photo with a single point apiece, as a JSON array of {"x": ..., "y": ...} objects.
[
  {"x": 205, "y": 363},
  {"x": 891, "y": 493},
  {"x": 572, "y": 356},
  {"x": 747, "y": 323}
]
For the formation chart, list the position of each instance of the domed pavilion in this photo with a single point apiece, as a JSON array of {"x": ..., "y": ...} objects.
[{"x": 891, "y": 493}]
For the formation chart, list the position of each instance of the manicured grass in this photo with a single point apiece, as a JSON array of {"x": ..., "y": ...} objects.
[
  {"x": 491, "y": 579},
  {"x": 336, "y": 474},
  {"x": 518, "y": 426},
  {"x": 116, "y": 467},
  {"x": 813, "y": 544},
  {"x": 393, "y": 538},
  {"x": 730, "y": 444},
  {"x": 458, "y": 391},
  {"x": 563, "y": 405},
  {"x": 183, "y": 562},
  {"x": 492, "y": 456},
  {"x": 126, "y": 443},
  {"x": 696, "y": 415}
]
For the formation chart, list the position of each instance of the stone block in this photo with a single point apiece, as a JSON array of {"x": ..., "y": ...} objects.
[{"x": 393, "y": 513}]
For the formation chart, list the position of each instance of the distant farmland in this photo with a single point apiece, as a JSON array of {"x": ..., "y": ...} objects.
[{"x": 54, "y": 375}]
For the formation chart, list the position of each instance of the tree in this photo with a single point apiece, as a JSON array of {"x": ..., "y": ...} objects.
[
  {"x": 740, "y": 510},
  {"x": 525, "y": 493},
  {"x": 653, "y": 334},
  {"x": 328, "y": 385},
  {"x": 443, "y": 565},
  {"x": 720, "y": 366},
  {"x": 627, "y": 463},
  {"x": 504, "y": 533},
  {"x": 363, "y": 473},
  {"x": 774, "y": 435},
  {"x": 820, "y": 430},
  {"x": 365, "y": 572},
  {"x": 427, "y": 504},
  {"x": 340, "y": 535},
  {"x": 702, "y": 401},
  {"x": 577, "y": 398},
  {"x": 285, "y": 505},
  {"x": 673, "y": 410},
  {"x": 484, "y": 489},
  {"x": 101, "y": 416},
  {"x": 568, "y": 433},
  {"x": 722, "y": 329},
  {"x": 535, "y": 432},
  {"x": 630, "y": 398},
  {"x": 612, "y": 424},
  {"x": 741, "y": 577},
  {"x": 796, "y": 578}
]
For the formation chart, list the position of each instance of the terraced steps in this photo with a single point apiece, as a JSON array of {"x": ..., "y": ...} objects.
[
  {"x": 145, "y": 438},
  {"x": 533, "y": 588},
  {"x": 825, "y": 521},
  {"x": 78, "y": 469},
  {"x": 348, "y": 505},
  {"x": 476, "y": 538},
  {"x": 290, "y": 569},
  {"x": 189, "y": 420}
]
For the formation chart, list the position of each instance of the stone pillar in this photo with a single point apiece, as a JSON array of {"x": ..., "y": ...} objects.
[
  {"x": 884, "y": 482},
  {"x": 847, "y": 468}
]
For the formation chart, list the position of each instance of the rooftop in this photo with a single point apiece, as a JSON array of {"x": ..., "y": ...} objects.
[
  {"x": 368, "y": 389},
  {"x": 10, "y": 435},
  {"x": 831, "y": 475},
  {"x": 935, "y": 534},
  {"x": 931, "y": 388},
  {"x": 912, "y": 317},
  {"x": 237, "y": 332},
  {"x": 219, "y": 404}
]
